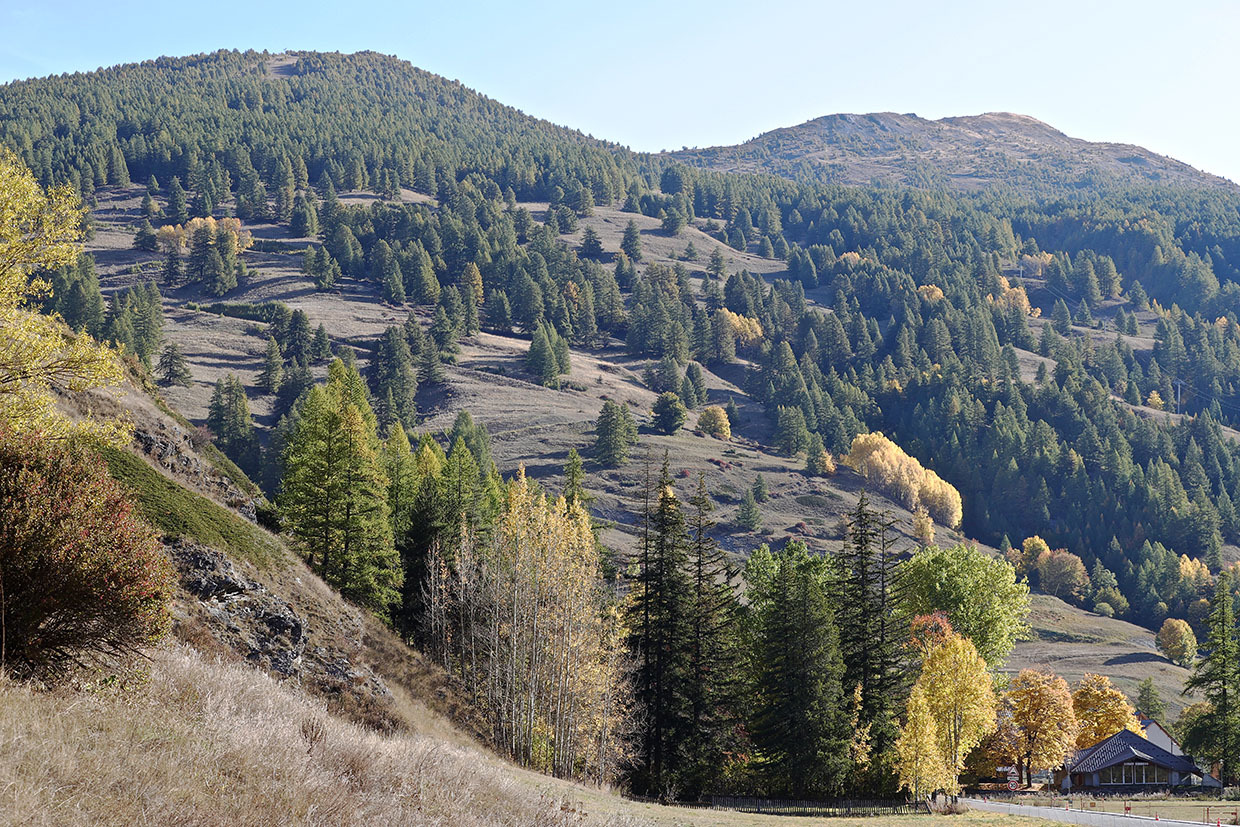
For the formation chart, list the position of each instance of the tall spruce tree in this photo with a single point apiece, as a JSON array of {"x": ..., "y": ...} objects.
[
  {"x": 713, "y": 678},
  {"x": 660, "y": 637},
  {"x": 872, "y": 633},
  {"x": 172, "y": 369},
  {"x": 1215, "y": 734},
  {"x": 799, "y": 715}
]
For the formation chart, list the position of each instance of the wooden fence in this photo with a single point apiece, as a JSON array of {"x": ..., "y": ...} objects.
[{"x": 789, "y": 807}]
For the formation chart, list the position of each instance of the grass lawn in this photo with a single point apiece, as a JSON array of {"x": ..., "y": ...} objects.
[{"x": 1182, "y": 809}]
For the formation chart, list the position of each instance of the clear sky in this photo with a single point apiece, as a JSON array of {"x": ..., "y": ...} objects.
[{"x": 666, "y": 74}]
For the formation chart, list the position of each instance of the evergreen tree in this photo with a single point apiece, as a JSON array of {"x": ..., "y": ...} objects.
[
  {"x": 320, "y": 346},
  {"x": 799, "y": 709},
  {"x": 669, "y": 413},
  {"x": 1150, "y": 703},
  {"x": 145, "y": 239},
  {"x": 760, "y": 492},
  {"x": 273, "y": 368},
  {"x": 498, "y": 314},
  {"x": 393, "y": 379},
  {"x": 872, "y": 633},
  {"x": 172, "y": 369},
  {"x": 228, "y": 418},
  {"x": 591, "y": 247},
  {"x": 660, "y": 637},
  {"x": 631, "y": 244},
  {"x": 749, "y": 516},
  {"x": 575, "y": 493},
  {"x": 178, "y": 210},
  {"x": 714, "y": 667},
  {"x": 1215, "y": 734},
  {"x": 615, "y": 432}
]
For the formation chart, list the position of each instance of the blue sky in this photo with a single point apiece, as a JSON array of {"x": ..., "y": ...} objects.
[{"x": 662, "y": 75}]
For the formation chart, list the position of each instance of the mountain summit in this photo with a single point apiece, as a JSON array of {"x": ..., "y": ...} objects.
[{"x": 967, "y": 153}]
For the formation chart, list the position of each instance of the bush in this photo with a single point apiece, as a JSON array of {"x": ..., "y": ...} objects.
[
  {"x": 83, "y": 582},
  {"x": 713, "y": 421}
]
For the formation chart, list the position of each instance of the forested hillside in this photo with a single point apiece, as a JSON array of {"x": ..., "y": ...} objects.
[{"x": 371, "y": 287}]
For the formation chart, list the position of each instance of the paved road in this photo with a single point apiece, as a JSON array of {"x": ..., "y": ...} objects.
[{"x": 1094, "y": 819}]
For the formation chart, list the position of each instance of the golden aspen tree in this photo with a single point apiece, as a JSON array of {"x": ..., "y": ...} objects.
[
  {"x": 40, "y": 230},
  {"x": 959, "y": 695},
  {"x": 1101, "y": 710},
  {"x": 919, "y": 761},
  {"x": 902, "y": 477}
]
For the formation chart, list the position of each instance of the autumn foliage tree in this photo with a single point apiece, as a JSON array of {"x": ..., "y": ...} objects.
[
  {"x": 1176, "y": 640},
  {"x": 902, "y": 477},
  {"x": 82, "y": 581},
  {"x": 1101, "y": 710},
  {"x": 39, "y": 230},
  {"x": 1042, "y": 720}
]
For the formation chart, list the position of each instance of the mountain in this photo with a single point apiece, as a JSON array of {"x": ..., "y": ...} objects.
[
  {"x": 492, "y": 283},
  {"x": 969, "y": 153}
]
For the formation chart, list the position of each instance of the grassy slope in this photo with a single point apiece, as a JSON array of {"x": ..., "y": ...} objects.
[
  {"x": 207, "y": 743},
  {"x": 535, "y": 426}
]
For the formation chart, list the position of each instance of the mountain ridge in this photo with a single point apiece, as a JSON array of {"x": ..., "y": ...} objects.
[{"x": 964, "y": 152}]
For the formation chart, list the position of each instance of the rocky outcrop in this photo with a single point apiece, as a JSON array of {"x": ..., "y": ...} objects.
[
  {"x": 245, "y": 617},
  {"x": 171, "y": 447}
]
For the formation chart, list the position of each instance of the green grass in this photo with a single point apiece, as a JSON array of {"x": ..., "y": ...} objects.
[{"x": 175, "y": 510}]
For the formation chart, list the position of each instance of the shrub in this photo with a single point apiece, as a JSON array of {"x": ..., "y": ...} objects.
[
  {"x": 82, "y": 581},
  {"x": 713, "y": 421}
]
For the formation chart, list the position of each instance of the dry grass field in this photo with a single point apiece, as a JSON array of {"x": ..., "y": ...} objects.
[{"x": 205, "y": 743}]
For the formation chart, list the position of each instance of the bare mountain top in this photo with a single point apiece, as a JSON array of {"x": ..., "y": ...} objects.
[{"x": 964, "y": 153}]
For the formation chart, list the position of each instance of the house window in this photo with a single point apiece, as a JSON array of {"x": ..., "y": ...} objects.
[{"x": 1134, "y": 773}]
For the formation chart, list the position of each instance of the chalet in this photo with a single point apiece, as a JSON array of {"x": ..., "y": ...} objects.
[{"x": 1128, "y": 761}]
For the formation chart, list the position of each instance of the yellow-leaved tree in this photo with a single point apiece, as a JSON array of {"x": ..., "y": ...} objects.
[
  {"x": 903, "y": 478},
  {"x": 39, "y": 355},
  {"x": 1101, "y": 710},
  {"x": 919, "y": 761},
  {"x": 960, "y": 697},
  {"x": 1042, "y": 719}
]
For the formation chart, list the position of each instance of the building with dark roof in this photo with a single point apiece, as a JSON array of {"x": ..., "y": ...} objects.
[{"x": 1126, "y": 761}]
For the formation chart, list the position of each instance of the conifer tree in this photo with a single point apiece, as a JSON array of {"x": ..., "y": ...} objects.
[
  {"x": 713, "y": 658},
  {"x": 228, "y": 418},
  {"x": 760, "y": 492},
  {"x": 574, "y": 486},
  {"x": 1215, "y": 734},
  {"x": 872, "y": 633},
  {"x": 749, "y": 516},
  {"x": 320, "y": 346},
  {"x": 659, "y": 617},
  {"x": 498, "y": 314},
  {"x": 631, "y": 244},
  {"x": 669, "y": 413},
  {"x": 334, "y": 494},
  {"x": 799, "y": 719},
  {"x": 392, "y": 378},
  {"x": 172, "y": 369},
  {"x": 591, "y": 246},
  {"x": 178, "y": 210},
  {"x": 273, "y": 368},
  {"x": 615, "y": 432}
]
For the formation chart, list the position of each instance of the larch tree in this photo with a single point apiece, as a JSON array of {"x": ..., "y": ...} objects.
[
  {"x": 919, "y": 758},
  {"x": 1101, "y": 710},
  {"x": 40, "y": 230},
  {"x": 334, "y": 494}
]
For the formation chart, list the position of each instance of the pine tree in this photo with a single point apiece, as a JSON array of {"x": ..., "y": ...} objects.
[
  {"x": 178, "y": 211},
  {"x": 631, "y": 244},
  {"x": 320, "y": 346},
  {"x": 591, "y": 247},
  {"x": 541, "y": 360},
  {"x": 1149, "y": 702},
  {"x": 749, "y": 516},
  {"x": 172, "y": 369},
  {"x": 669, "y": 413},
  {"x": 172, "y": 272},
  {"x": 228, "y": 418},
  {"x": 760, "y": 492},
  {"x": 145, "y": 239},
  {"x": 1215, "y": 734},
  {"x": 273, "y": 368},
  {"x": 498, "y": 314},
  {"x": 575, "y": 493},
  {"x": 393, "y": 379}
]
